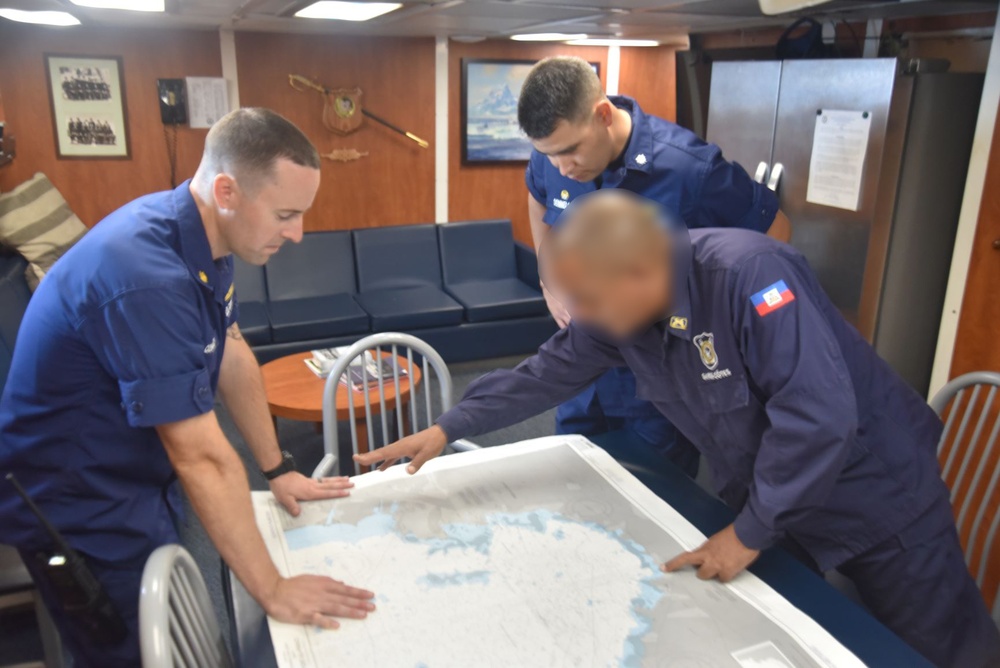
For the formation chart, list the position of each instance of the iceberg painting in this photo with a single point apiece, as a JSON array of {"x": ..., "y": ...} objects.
[{"x": 490, "y": 132}]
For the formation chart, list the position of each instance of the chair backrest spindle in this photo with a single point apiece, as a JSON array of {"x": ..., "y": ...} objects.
[{"x": 970, "y": 465}]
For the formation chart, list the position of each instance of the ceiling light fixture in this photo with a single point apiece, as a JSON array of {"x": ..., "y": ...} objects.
[
  {"x": 131, "y": 5},
  {"x": 40, "y": 18},
  {"x": 547, "y": 37},
  {"x": 347, "y": 11},
  {"x": 602, "y": 41}
]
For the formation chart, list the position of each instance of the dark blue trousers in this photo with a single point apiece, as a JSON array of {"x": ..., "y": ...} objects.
[
  {"x": 918, "y": 585},
  {"x": 122, "y": 583}
]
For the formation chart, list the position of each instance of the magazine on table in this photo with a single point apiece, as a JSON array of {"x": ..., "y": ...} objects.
[{"x": 361, "y": 369}]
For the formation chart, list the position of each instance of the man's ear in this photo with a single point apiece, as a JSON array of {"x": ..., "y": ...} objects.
[
  {"x": 225, "y": 191},
  {"x": 604, "y": 112}
]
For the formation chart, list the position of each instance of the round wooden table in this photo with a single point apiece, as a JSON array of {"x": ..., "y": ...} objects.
[{"x": 294, "y": 392}]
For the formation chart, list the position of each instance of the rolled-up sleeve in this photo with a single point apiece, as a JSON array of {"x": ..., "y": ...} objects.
[
  {"x": 152, "y": 342},
  {"x": 565, "y": 364},
  {"x": 793, "y": 357},
  {"x": 728, "y": 197}
]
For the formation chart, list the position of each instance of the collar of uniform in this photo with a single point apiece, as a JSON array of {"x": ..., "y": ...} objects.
[
  {"x": 639, "y": 151},
  {"x": 195, "y": 249},
  {"x": 678, "y": 320}
]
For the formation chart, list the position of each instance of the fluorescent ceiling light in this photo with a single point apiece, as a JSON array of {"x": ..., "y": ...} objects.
[
  {"x": 41, "y": 18},
  {"x": 132, "y": 5},
  {"x": 347, "y": 11},
  {"x": 614, "y": 42},
  {"x": 772, "y": 7},
  {"x": 547, "y": 37}
]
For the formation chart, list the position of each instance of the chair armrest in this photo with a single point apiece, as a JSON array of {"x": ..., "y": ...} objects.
[{"x": 527, "y": 265}]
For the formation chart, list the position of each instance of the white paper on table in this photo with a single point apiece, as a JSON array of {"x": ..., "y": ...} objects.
[
  {"x": 207, "y": 100},
  {"x": 535, "y": 554},
  {"x": 836, "y": 166}
]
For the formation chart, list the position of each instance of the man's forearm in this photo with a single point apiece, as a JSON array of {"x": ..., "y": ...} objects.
[
  {"x": 216, "y": 484},
  {"x": 563, "y": 366},
  {"x": 241, "y": 388}
]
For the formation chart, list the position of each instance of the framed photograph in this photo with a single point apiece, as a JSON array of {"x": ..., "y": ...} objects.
[
  {"x": 490, "y": 90},
  {"x": 88, "y": 106}
]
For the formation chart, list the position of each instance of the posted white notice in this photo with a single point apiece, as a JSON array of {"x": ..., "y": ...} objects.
[
  {"x": 207, "y": 99},
  {"x": 840, "y": 143}
]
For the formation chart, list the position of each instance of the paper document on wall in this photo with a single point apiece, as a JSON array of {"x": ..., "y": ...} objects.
[
  {"x": 536, "y": 554},
  {"x": 840, "y": 143},
  {"x": 207, "y": 99}
]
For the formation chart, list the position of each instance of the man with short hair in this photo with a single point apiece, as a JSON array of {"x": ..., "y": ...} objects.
[
  {"x": 585, "y": 141},
  {"x": 810, "y": 436},
  {"x": 111, "y": 391}
]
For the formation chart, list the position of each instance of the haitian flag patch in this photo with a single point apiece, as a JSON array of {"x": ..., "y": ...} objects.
[{"x": 772, "y": 298}]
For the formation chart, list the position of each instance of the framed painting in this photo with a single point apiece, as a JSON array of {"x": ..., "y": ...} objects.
[
  {"x": 490, "y": 90},
  {"x": 87, "y": 96}
]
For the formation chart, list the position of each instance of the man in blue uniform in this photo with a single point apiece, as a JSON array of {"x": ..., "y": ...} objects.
[
  {"x": 117, "y": 364},
  {"x": 807, "y": 432},
  {"x": 585, "y": 141}
]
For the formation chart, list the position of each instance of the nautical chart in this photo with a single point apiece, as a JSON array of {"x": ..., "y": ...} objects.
[{"x": 540, "y": 553}]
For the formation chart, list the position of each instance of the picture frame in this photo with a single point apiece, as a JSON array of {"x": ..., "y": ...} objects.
[
  {"x": 489, "y": 95},
  {"x": 87, "y": 100}
]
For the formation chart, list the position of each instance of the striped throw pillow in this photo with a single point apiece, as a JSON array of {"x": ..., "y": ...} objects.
[{"x": 36, "y": 221}]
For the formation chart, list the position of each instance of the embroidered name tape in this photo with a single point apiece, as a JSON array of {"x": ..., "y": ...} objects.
[{"x": 772, "y": 298}]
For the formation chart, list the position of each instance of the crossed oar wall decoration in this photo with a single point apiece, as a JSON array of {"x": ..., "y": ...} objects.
[{"x": 341, "y": 107}]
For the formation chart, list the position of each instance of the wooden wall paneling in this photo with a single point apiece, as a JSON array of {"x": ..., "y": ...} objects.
[
  {"x": 94, "y": 188},
  {"x": 495, "y": 191},
  {"x": 394, "y": 183},
  {"x": 979, "y": 323},
  {"x": 650, "y": 76}
]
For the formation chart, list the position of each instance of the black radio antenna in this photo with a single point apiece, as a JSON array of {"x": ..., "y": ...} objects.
[{"x": 56, "y": 537}]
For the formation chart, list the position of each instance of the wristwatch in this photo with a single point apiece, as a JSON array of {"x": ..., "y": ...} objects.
[{"x": 287, "y": 465}]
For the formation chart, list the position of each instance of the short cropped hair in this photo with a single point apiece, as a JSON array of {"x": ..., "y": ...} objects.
[
  {"x": 562, "y": 88},
  {"x": 247, "y": 143}
]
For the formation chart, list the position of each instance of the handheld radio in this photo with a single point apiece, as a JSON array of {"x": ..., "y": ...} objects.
[{"x": 79, "y": 593}]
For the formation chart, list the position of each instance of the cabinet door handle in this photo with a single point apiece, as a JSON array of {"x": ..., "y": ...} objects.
[
  {"x": 761, "y": 172},
  {"x": 996, "y": 244},
  {"x": 776, "y": 172}
]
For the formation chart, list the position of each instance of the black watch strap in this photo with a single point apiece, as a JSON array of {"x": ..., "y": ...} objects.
[{"x": 287, "y": 465}]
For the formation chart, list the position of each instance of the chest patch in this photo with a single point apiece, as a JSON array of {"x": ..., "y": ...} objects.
[{"x": 771, "y": 298}]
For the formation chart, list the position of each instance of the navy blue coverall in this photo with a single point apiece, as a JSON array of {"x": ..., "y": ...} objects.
[
  {"x": 688, "y": 178},
  {"x": 808, "y": 433},
  {"x": 125, "y": 333}
]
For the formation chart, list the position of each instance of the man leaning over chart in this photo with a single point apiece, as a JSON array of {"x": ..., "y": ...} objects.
[{"x": 816, "y": 442}]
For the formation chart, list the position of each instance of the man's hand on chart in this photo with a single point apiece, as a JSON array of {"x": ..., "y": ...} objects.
[
  {"x": 420, "y": 447},
  {"x": 722, "y": 556},
  {"x": 292, "y": 487},
  {"x": 317, "y": 600},
  {"x": 556, "y": 308}
]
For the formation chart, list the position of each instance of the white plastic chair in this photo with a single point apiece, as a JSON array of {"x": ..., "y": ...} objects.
[
  {"x": 177, "y": 624},
  {"x": 966, "y": 457},
  {"x": 397, "y": 345}
]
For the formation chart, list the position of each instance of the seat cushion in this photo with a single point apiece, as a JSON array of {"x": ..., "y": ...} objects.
[
  {"x": 410, "y": 308},
  {"x": 497, "y": 300},
  {"x": 477, "y": 251},
  {"x": 316, "y": 318},
  {"x": 320, "y": 266},
  {"x": 254, "y": 325},
  {"x": 391, "y": 258},
  {"x": 37, "y": 221}
]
